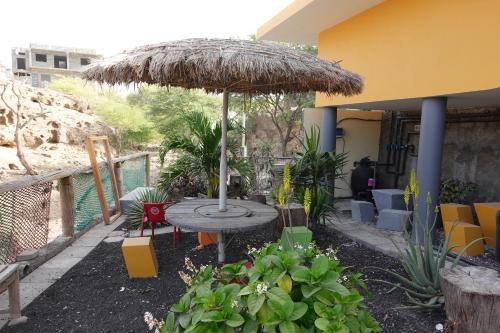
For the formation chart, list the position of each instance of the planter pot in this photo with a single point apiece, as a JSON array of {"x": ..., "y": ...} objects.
[
  {"x": 260, "y": 198},
  {"x": 297, "y": 215},
  {"x": 295, "y": 235}
]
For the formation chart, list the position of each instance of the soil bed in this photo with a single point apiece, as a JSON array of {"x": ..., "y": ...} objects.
[{"x": 97, "y": 296}]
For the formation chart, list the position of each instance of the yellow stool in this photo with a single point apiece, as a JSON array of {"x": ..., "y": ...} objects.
[
  {"x": 487, "y": 216},
  {"x": 456, "y": 212},
  {"x": 463, "y": 234},
  {"x": 140, "y": 258}
]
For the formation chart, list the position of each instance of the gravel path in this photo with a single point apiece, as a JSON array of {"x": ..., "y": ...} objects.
[{"x": 97, "y": 296}]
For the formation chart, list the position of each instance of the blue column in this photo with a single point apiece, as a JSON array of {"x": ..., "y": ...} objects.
[
  {"x": 329, "y": 129},
  {"x": 430, "y": 153},
  {"x": 329, "y": 138}
]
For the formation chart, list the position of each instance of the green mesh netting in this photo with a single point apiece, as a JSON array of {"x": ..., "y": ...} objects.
[
  {"x": 87, "y": 206},
  {"x": 133, "y": 173}
]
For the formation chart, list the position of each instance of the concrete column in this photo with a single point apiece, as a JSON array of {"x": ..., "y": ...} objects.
[
  {"x": 329, "y": 138},
  {"x": 430, "y": 153},
  {"x": 329, "y": 129}
]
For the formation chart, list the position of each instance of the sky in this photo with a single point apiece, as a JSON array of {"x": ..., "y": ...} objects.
[{"x": 111, "y": 26}]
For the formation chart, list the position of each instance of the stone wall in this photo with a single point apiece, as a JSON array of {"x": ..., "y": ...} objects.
[{"x": 471, "y": 148}]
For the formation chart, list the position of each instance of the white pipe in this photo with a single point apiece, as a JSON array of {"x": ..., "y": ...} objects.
[
  {"x": 223, "y": 158},
  {"x": 243, "y": 135}
]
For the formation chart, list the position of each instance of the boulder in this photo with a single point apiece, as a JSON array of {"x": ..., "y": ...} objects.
[
  {"x": 31, "y": 140},
  {"x": 6, "y": 142}
]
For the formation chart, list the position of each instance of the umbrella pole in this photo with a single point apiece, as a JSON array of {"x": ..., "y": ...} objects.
[{"x": 223, "y": 158}]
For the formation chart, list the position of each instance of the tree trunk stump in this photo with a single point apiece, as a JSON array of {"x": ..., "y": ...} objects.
[
  {"x": 298, "y": 217},
  {"x": 472, "y": 299}
]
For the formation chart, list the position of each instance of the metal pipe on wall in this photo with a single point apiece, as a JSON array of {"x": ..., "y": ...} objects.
[{"x": 398, "y": 125}]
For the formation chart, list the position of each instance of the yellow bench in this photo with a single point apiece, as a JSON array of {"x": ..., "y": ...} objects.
[
  {"x": 486, "y": 214},
  {"x": 463, "y": 234},
  {"x": 140, "y": 258},
  {"x": 456, "y": 212}
]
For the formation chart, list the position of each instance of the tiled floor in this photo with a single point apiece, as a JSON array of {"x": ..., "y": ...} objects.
[{"x": 367, "y": 234}]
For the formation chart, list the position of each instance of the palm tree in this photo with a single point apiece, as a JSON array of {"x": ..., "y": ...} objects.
[{"x": 202, "y": 143}]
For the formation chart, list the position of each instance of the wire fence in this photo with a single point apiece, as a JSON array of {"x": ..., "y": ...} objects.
[
  {"x": 24, "y": 210},
  {"x": 24, "y": 220}
]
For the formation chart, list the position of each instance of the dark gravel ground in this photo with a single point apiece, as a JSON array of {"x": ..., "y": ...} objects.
[
  {"x": 487, "y": 259},
  {"x": 97, "y": 296}
]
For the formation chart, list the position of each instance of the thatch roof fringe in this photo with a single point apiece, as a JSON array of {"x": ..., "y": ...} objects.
[{"x": 216, "y": 64}]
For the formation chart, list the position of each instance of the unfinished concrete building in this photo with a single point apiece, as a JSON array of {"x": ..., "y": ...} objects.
[{"x": 39, "y": 64}]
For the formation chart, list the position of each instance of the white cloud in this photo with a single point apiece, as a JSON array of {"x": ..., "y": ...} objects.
[{"x": 110, "y": 26}]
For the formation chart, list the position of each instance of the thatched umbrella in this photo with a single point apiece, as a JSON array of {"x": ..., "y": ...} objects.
[{"x": 224, "y": 66}]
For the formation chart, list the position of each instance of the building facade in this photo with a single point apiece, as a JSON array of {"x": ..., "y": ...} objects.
[
  {"x": 39, "y": 64},
  {"x": 431, "y": 66}
]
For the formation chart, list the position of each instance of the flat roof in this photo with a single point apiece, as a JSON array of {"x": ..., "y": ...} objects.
[
  {"x": 472, "y": 99},
  {"x": 303, "y": 20},
  {"x": 56, "y": 48}
]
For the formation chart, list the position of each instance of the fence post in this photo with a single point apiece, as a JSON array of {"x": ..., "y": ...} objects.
[
  {"x": 67, "y": 194},
  {"x": 119, "y": 179},
  {"x": 148, "y": 170}
]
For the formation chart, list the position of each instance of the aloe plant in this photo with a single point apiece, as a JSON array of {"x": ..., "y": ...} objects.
[
  {"x": 153, "y": 195},
  {"x": 420, "y": 260}
]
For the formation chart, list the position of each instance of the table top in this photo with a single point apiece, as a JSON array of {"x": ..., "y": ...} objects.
[{"x": 204, "y": 215}]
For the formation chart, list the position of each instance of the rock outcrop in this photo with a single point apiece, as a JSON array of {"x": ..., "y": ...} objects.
[{"x": 57, "y": 125}]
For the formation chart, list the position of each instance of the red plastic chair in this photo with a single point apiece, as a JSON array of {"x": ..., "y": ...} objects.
[{"x": 155, "y": 213}]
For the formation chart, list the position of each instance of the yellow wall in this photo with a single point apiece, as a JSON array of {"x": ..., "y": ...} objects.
[
  {"x": 361, "y": 138},
  {"x": 417, "y": 48}
]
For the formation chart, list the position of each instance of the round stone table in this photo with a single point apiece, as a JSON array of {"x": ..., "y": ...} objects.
[{"x": 203, "y": 215}]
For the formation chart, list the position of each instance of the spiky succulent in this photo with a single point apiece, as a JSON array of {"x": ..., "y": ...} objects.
[
  {"x": 420, "y": 260},
  {"x": 153, "y": 195}
]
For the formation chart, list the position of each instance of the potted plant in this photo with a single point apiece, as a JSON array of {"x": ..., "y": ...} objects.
[{"x": 292, "y": 235}]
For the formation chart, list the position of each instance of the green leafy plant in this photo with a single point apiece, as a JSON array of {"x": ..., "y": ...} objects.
[
  {"x": 154, "y": 195},
  {"x": 315, "y": 169},
  {"x": 456, "y": 191},
  {"x": 183, "y": 177},
  {"x": 301, "y": 290},
  {"x": 420, "y": 260},
  {"x": 202, "y": 143}
]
